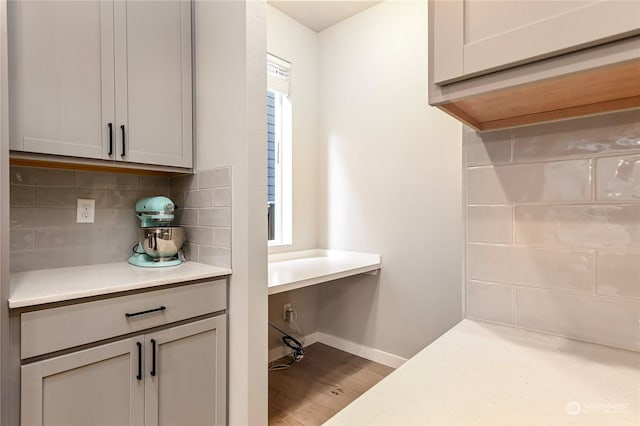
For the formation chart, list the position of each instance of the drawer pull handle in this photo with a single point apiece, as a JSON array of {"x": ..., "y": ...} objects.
[
  {"x": 139, "y": 376},
  {"x": 153, "y": 357},
  {"x": 148, "y": 311}
]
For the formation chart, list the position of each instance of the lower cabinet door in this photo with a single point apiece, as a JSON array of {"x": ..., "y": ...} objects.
[
  {"x": 98, "y": 386},
  {"x": 186, "y": 374}
]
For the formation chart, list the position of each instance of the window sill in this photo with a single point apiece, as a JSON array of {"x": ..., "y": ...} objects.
[{"x": 293, "y": 270}]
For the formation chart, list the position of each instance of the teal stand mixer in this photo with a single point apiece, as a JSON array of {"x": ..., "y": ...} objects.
[{"x": 159, "y": 241}]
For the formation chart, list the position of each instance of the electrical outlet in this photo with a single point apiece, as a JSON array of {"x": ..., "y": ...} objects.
[
  {"x": 287, "y": 312},
  {"x": 86, "y": 211}
]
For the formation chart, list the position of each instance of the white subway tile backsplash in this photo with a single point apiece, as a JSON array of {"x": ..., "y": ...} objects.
[
  {"x": 217, "y": 216},
  {"x": 22, "y": 196},
  {"x": 41, "y": 177},
  {"x": 29, "y": 218},
  {"x": 186, "y": 217},
  {"x": 125, "y": 199},
  {"x": 40, "y": 259},
  {"x": 215, "y": 178},
  {"x": 587, "y": 226},
  {"x": 618, "y": 179},
  {"x": 573, "y": 260},
  {"x": 115, "y": 217},
  {"x": 488, "y": 148},
  {"x": 196, "y": 199},
  {"x": 218, "y": 256},
  {"x": 554, "y": 182},
  {"x": 21, "y": 239},
  {"x": 572, "y": 270},
  {"x": 596, "y": 319},
  {"x": 222, "y": 197},
  {"x": 491, "y": 302},
  {"x": 490, "y": 224},
  {"x": 190, "y": 252},
  {"x": 618, "y": 274},
  {"x": 207, "y": 216},
  {"x": 585, "y": 137},
  {"x": 96, "y": 180},
  {"x": 222, "y": 237},
  {"x": 199, "y": 235},
  {"x": 71, "y": 237},
  {"x": 43, "y": 211},
  {"x": 156, "y": 185}
]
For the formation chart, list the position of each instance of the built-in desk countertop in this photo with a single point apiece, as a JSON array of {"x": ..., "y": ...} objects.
[{"x": 290, "y": 271}]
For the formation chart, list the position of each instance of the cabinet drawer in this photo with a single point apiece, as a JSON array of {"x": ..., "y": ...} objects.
[{"x": 59, "y": 328}]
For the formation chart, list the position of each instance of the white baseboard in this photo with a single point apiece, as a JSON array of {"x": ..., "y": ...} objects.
[
  {"x": 281, "y": 350},
  {"x": 366, "y": 352}
]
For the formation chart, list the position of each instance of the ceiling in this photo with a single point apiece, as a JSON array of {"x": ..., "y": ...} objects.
[{"x": 319, "y": 15}]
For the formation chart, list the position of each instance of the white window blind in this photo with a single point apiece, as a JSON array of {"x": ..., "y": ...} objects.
[{"x": 278, "y": 74}]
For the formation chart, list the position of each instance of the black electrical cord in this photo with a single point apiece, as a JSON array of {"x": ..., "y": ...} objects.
[{"x": 292, "y": 343}]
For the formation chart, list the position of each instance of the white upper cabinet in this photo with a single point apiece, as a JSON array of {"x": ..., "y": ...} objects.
[
  {"x": 62, "y": 77},
  {"x": 102, "y": 80},
  {"x": 476, "y": 36},
  {"x": 499, "y": 64},
  {"x": 153, "y": 81}
]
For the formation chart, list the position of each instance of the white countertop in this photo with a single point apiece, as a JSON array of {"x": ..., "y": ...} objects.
[
  {"x": 61, "y": 284},
  {"x": 289, "y": 271},
  {"x": 484, "y": 374}
]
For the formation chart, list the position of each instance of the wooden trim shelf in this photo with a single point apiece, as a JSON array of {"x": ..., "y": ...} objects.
[
  {"x": 596, "y": 91},
  {"x": 88, "y": 166}
]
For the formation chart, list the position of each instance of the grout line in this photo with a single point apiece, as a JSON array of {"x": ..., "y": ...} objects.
[
  {"x": 559, "y": 291},
  {"x": 513, "y": 224},
  {"x": 515, "y": 302},
  {"x": 595, "y": 272},
  {"x": 592, "y": 180}
]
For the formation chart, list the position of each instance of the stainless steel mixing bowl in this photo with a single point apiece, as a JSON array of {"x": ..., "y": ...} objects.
[{"x": 161, "y": 242}]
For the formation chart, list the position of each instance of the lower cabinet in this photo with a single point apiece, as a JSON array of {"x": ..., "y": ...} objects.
[{"x": 175, "y": 376}]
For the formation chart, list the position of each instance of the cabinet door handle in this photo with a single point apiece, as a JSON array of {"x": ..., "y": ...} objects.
[
  {"x": 148, "y": 311},
  {"x": 139, "y": 376},
  {"x": 153, "y": 357},
  {"x": 110, "y": 125},
  {"x": 124, "y": 145}
]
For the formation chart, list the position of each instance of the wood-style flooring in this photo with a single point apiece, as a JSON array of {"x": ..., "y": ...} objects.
[{"x": 314, "y": 389}]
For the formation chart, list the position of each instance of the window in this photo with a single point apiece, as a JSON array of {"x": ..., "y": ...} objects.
[{"x": 279, "y": 129}]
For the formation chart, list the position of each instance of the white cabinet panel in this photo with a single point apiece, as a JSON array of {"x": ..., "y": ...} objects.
[
  {"x": 79, "y": 67},
  {"x": 473, "y": 37},
  {"x": 499, "y": 33},
  {"x": 62, "y": 76},
  {"x": 188, "y": 386},
  {"x": 153, "y": 81},
  {"x": 97, "y": 386}
]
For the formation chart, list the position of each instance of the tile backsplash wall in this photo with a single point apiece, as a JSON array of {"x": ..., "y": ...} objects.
[
  {"x": 205, "y": 201},
  {"x": 553, "y": 228},
  {"x": 44, "y": 232}
]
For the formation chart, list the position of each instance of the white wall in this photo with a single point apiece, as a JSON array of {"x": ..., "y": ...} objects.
[
  {"x": 230, "y": 111},
  {"x": 390, "y": 182},
  {"x": 7, "y": 369},
  {"x": 292, "y": 41},
  {"x": 289, "y": 40}
]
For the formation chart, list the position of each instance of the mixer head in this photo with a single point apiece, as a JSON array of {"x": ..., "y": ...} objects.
[{"x": 155, "y": 211}]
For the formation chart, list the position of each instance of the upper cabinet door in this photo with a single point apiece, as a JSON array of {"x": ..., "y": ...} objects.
[
  {"x": 61, "y": 61},
  {"x": 486, "y": 35},
  {"x": 153, "y": 82}
]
